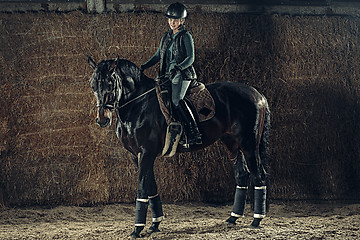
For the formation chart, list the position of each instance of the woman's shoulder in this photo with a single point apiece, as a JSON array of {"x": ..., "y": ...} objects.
[{"x": 187, "y": 34}]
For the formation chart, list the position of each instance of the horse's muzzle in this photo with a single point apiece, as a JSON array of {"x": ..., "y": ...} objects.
[
  {"x": 103, "y": 117},
  {"x": 104, "y": 123}
]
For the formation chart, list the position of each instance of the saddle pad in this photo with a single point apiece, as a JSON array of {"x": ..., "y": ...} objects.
[
  {"x": 199, "y": 96},
  {"x": 202, "y": 101}
]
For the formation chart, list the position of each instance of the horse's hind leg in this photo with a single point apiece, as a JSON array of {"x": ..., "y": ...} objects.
[
  {"x": 241, "y": 176},
  {"x": 258, "y": 178},
  {"x": 242, "y": 180},
  {"x": 259, "y": 205}
]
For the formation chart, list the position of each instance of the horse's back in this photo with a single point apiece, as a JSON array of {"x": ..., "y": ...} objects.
[{"x": 236, "y": 93}]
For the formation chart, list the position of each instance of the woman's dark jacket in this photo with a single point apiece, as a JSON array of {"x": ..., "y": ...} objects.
[{"x": 183, "y": 51}]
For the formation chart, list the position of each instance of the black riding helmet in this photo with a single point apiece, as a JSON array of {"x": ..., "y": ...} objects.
[{"x": 176, "y": 11}]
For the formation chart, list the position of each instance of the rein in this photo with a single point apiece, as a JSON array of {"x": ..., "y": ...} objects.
[
  {"x": 134, "y": 99},
  {"x": 115, "y": 106}
]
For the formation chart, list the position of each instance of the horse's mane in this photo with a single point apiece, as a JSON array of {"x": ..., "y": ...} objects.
[
  {"x": 126, "y": 69},
  {"x": 129, "y": 68},
  {"x": 125, "y": 66}
]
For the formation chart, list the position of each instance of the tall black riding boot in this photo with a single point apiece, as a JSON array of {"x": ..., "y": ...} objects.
[{"x": 194, "y": 136}]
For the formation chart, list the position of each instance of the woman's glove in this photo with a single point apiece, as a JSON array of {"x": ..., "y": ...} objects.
[
  {"x": 142, "y": 68},
  {"x": 174, "y": 71}
]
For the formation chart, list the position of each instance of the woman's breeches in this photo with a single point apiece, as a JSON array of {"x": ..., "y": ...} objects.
[{"x": 178, "y": 88}]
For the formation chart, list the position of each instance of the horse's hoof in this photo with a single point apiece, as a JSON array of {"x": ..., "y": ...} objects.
[
  {"x": 254, "y": 227},
  {"x": 231, "y": 221},
  {"x": 256, "y": 223},
  {"x": 154, "y": 228},
  {"x": 134, "y": 235},
  {"x": 136, "y": 232}
]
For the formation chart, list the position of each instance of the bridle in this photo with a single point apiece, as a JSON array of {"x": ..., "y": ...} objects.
[
  {"x": 117, "y": 80},
  {"x": 113, "y": 106}
]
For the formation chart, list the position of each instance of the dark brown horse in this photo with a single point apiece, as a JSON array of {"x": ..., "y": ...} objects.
[{"x": 241, "y": 121}]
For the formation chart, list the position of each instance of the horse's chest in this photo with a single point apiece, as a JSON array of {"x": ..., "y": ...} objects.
[
  {"x": 127, "y": 131},
  {"x": 126, "y": 136},
  {"x": 133, "y": 133}
]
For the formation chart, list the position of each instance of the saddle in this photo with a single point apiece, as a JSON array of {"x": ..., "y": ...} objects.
[
  {"x": 202, "y": 102},
  {"x": 202, "y": 105}
]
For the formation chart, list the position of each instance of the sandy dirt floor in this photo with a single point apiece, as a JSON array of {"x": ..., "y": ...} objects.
[{"x": 183, "y": 221}]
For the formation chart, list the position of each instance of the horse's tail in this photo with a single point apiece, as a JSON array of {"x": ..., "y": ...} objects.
[
  {"x": 264, "y": 152},
  {"x": 264, "y": 140}
]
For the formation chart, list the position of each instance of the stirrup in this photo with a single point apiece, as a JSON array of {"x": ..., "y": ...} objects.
[
  {"x": 194, "y": 135},
  {"x": 190, "y": 138},
  {"x": 196, "y": 139}
]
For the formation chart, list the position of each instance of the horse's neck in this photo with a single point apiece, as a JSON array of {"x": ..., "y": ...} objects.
[
  {"x": 143, "y": 90},
  {"x": 142, "y": 87}
]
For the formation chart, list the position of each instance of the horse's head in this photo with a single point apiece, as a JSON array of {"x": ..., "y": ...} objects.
[
  {"x": 114, "y": 82},
  {"x": 107, "y": 89}
]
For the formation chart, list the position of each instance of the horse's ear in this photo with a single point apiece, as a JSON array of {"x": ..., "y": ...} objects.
[
  {"x": 91, "y": 62},
  {"x": 114, "y": 64}
]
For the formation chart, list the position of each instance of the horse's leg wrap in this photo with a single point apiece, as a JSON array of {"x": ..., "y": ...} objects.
[
  {"x": 259, "y": 205},
  {"x": 140, "y": 218},
  {"x": 141, "y": 211},
  {"x": 240, "y": 201},
  {"x": 239, "y": 204},
  {"x": 242, "y": 178},
  {"x": 157, "y": 212}
]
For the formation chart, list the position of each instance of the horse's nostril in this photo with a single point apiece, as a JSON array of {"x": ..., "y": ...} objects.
[{"x": 104, "y": 123}]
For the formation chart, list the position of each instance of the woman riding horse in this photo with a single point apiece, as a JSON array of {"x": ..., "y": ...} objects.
[{"x": 176, "y": 55}]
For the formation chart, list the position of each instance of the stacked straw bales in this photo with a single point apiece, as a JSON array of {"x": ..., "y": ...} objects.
[{"x": 52, "y": 152}]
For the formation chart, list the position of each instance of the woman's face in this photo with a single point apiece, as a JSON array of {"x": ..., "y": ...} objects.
[{"x": 175, "y": 23}]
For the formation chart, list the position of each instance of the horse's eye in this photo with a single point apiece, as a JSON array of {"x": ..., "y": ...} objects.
[
  {"x": 110, "y": 86},
  {"x": 93, "y": 85}
]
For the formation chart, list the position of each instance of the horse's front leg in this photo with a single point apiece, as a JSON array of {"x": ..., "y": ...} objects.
[{"x": 147, "y": 193}]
